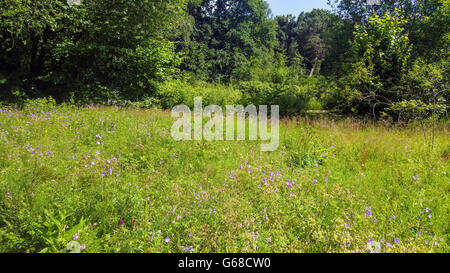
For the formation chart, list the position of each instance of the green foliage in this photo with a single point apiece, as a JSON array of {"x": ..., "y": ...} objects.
[
  {"x": 172, "y": 93},
  {"x": 52, "y": 48},
  {"x": 227, "y": 33},
  {"x": 424, "y": 80},
  {"x": 361, "y": 59},
  {"x": 382, "y": 51}
]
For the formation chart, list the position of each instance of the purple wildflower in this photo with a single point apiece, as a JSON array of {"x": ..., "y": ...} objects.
[{"x": 185, "y": 249}]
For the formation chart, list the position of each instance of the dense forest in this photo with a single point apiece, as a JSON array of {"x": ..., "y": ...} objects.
[{"x": 388, "y": 60}]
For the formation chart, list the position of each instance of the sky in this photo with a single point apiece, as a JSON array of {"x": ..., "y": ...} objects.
[{"x": 281, "y": 7}]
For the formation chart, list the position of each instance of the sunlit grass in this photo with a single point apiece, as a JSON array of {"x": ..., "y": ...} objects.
[{"x": 114, "y": 180}]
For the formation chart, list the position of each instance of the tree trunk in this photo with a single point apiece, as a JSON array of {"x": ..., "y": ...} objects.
[{"x": 316, "y": 60}]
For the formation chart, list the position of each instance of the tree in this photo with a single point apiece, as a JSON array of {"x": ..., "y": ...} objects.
[
  {"x": 94, "y": 48},
  {"x": 382, "y": 54},
  {"x": 227, "y": 33},
  {"x": 311, "y": 27}
]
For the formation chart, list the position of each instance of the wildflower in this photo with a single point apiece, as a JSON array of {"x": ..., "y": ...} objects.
[
  {"x": 187, "y": 249},
  {"x": 75, "y": 236},
  {"x": 167, "y": 240},
  {"x": 368, "y": 213},
  {"x": 393, "y": 217},
  {"x": 121, "y": 222},
  {"x": 375, "y": 220},
  {"x": 346, "y": 226},
  {"x": 396, "y": 241},
  {"x": 82, "y": 246},
  {"x": 314, "y": 182}
]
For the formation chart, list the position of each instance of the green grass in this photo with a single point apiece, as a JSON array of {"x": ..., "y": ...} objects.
[{"x": 56, "y": 186}]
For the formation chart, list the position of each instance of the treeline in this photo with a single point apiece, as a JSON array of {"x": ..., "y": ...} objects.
[{"x": 368, "y": 60}]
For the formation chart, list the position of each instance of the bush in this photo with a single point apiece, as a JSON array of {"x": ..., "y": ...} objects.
[
  {"x": 175, "y": 92},
  {"x": 291, "y": 98}
]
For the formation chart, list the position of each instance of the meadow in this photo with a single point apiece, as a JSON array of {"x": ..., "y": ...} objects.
[{"x": 112, "y": 179}]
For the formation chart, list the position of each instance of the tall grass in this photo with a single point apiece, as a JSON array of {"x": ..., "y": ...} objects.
[{"x": 112, "y": 179}]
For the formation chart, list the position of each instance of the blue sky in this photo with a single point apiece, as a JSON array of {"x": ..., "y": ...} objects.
[{"x": 280, "y": 7}]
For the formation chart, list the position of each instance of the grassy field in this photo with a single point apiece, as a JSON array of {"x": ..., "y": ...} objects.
[{"x": 109, "y": 179}]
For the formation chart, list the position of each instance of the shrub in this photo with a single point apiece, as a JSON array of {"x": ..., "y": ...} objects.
[{"x": 176, "y": 92}]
